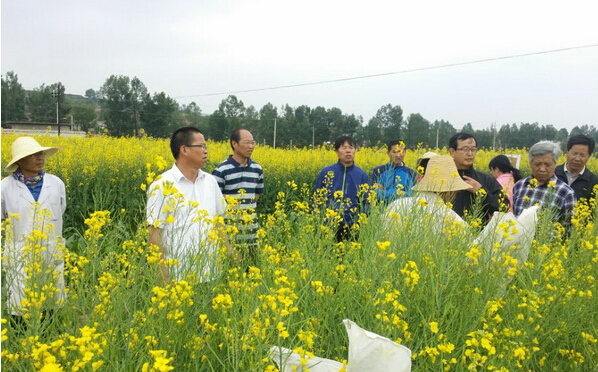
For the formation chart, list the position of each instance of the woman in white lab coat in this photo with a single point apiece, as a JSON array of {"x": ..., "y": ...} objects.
[{"x": 33, "y": 203}]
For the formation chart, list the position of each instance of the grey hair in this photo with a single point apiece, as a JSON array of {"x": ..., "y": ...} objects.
[{"x": 543, "y": 148}]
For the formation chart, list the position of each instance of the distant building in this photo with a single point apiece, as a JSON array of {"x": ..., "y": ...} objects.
[{"x": 24, "y": 127}]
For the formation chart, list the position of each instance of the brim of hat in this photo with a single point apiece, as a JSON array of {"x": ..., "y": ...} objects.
[
  {"x": 427, "y": 155},
  {"x": 12, "y": 166},
  {"x": 433, "y": 184}
]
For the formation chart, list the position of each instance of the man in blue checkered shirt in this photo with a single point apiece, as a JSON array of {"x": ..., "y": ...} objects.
[{"x": 543, "y": 187}]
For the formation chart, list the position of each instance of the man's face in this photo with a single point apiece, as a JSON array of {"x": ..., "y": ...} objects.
[
  {"x": 396, "y": 154},
  {"x": 464, "y": 154},
  {"x": 577, "y": 157},
  {"x": 198, "y": 155},
  {"x": 346, "y": 154},
  {"x": 542, "y": 167},
  {"x": 244, "y": 148},
  {"x": 31, "y": 165}
]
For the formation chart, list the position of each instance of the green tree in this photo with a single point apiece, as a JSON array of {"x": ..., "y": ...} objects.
[
  {"x": 371, "y": 134},
  {"x": 91, "y": 95},
  {"x": 418, "y": 129},
  {"x": 138, "y": 95},
  {"x": 84, "y": 116},
  {"x": 441, "y": 132},
  {"x": 13, "y": 98},
  {"x": 42, "y": 101},
  {"x": 229, "y": 115},
  {"x": 115, "y": 96},
  {"x": 192, "y": 116},
  {"x": 159, "y": 115},
  {"x": 265, "y": 125},
  {"x": 318, "y": 118},
  {"x": 390, "y": 121}
]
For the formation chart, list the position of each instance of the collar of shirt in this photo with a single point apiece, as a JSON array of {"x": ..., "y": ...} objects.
[
  {"x": 569, "y": 174},
  {"x": 180, "y": 176},
  {"x": 552, "y": 179},
  {"x": 237, "y": 164}
]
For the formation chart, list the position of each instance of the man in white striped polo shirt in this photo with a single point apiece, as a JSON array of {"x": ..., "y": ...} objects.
[{"x": 242, "y": 178}]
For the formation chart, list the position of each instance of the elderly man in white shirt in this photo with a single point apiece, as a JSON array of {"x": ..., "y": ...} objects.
[
  {"x": 182, "y": 205},
  {"x": 33, "y": 202}
]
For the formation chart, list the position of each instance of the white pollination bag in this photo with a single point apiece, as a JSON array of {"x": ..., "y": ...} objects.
[{"x": 368, "y": 352}]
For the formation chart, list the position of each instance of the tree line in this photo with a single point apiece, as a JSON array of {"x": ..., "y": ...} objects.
[{"x": 122, "y": 106}]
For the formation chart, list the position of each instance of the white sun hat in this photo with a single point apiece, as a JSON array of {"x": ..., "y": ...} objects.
[{"x": 22, "y": 147}]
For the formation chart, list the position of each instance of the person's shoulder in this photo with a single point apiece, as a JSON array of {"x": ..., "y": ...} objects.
[
  {"x": 224, "y": 165},
  {"x": 52, "y": 177},
  {"x": 359, "y": 170},
  {"x": 593, "y": 177},
  {"x": 330, "y": 167},
  {"x": 168, "y": 176},
  {"x": 410, "y": 171},
  {"x": 254, "y": 164},
  {"x": 380, "y": 168},
  {"x": 483, "y": 175},
  {"x": 210, "y": 179},
  {"x": 560, "y": 169}
]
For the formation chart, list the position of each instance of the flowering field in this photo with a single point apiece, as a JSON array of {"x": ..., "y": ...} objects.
[{"x": 458, "y": 306}]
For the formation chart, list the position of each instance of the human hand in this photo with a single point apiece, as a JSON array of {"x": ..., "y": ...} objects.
[{"x": 475, "y": 185}]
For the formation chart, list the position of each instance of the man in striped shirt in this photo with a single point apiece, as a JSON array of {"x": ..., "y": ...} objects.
[{"x": 242, "y": 178}]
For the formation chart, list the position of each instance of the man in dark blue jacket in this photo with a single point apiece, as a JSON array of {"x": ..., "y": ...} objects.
[
  {"x": 393, "y": 179},
  {"x": 341, "y": 183}
]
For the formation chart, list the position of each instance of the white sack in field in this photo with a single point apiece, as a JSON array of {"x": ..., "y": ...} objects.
[
  {"x": 505, "y": 230},
  {"x": 290, "y": 359},
  {"x": 368, "y": 352}
]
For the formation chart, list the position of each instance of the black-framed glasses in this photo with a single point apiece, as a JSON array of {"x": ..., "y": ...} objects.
[
  {"x": 203, "y": 146},
  {"x": 468, "y": 149}
]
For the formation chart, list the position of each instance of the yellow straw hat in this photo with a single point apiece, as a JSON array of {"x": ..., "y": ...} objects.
[
  {"x": 441, "y": 176},
  {"x": 22, "y": 147}
]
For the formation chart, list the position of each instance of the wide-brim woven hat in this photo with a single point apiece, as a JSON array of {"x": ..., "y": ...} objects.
[
  {"x": 427, "y": 155},
  {"x": 22, "y": 147},
  {"x": 441, "y": 176}
]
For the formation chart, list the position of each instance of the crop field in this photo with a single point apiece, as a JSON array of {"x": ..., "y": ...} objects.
[{"x": 456, "y": 305}]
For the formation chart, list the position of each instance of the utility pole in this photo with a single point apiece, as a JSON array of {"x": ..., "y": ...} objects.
[
  {"x": 313, "y": 136},
  {"x": 274, "y": 133},
  {"x": 494, "y": 136},
  {"x": 56, "y": 94},
  {"x": 437, "y": 133}
]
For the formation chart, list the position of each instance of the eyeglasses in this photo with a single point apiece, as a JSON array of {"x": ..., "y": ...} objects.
[
  {"x": 468, "y": 149},
  {"x": 249, "y": 143},
  {"x": 203, "y": 146}
]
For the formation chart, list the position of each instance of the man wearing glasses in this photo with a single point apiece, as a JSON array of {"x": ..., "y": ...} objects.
[
  {"x": 242, "y": 178},
  {"x": 463, "y": 149},
  {"x": 181, "y": 208}
]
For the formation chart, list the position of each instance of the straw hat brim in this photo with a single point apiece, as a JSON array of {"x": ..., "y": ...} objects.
[
  {"x": 441, "y": 176},
  {"x": 12, "y": 166},
  {"x": 435, "y": 184}
]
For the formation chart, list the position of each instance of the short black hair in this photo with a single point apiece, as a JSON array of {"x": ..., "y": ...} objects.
[
  {"x": 342, "y": 140},
  {"x": 181, "y": 137},
  {"x": 461, "y": 136},
  {"x": 236, "y": 136},
  {"x": 392, "y": 143},
  {"x": 581, "y": 139}
]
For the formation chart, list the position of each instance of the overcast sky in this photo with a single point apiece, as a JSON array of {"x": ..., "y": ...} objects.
[{"x": 190, "y": 49}]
